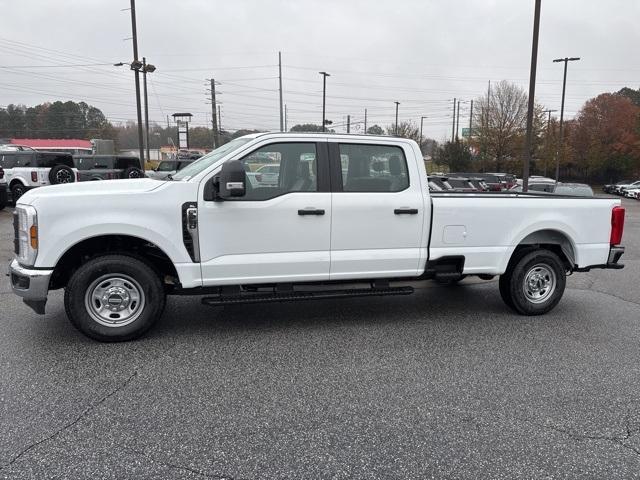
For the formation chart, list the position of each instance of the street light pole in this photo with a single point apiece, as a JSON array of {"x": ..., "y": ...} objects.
[
  {"x": 532, "y": 93},
  {"x": 134, "y": 34},
  {"x": 324, "y": 97},
  {"x": 146, "y": 69},
  {"x": 564, "y": 86},
  {"x": 421, "y": 122},
  {"x": 397, "y": 103},
  {"x": 549, "y": 112}
]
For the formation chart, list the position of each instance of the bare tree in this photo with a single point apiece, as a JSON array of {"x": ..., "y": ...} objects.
[{"x": 500, "y": 122}]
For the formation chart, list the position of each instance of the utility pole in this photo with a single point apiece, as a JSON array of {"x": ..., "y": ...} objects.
[
  {"x": 348, "y": 123},
  {"x": 286, "y": 129},
  {"x": 219, "y": 119},
  {"x": 564, "y": 85},
  {"x": 397, "y": 104},
  {"x": 167, "y": 121},
  {"x": 421, "y": 122},
  {"x": 453, "y": 127},
  {"x": 280, "y": 81},
  {"x": 458, "y": 120},
  {"x": 532, "y": 93},
  {"x": 214, "y": 121},
  {"x": 146, "y": 105},
  {"x": 471, "y": 121},
  {"x": 365, "y": 120},
  {"x": 324, "y": 98},
  {"x": 136, "y": 72},
  {"x": 549, "y": 112}
]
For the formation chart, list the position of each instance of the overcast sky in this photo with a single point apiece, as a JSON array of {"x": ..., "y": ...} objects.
[{"x": 420, "y": 53}]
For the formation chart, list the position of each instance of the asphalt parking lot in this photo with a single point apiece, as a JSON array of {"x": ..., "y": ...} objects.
[{"x": 446, "y": 383}]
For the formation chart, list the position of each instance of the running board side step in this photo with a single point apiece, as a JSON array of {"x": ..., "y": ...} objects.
[{"x": 219, "y": 300}]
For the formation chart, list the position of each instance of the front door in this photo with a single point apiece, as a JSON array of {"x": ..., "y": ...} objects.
[
  {"x": 378, "y": 211},
  {"x": 280, "y": 230}
]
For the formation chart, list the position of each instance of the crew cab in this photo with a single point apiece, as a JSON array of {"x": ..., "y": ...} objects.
[{"x": 349, "y": 215}]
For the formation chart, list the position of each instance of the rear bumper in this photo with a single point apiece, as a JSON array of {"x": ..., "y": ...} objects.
[
  {"x": 615, "y": 253},
  {"x": 32, "y": 285}
]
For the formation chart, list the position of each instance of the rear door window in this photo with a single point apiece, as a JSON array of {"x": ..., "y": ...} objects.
[
  {"x": 50, "y": 160},
  {"x": 25, "y": 160},
  {"x": 373, "y": 168},
  {"x": 7, "y": 160}
]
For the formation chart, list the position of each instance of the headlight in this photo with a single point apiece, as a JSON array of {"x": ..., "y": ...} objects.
[{"x": 26, "y": 234}]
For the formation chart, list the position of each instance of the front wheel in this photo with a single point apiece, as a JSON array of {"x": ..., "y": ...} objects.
[
  {"x": 535, "y": 283},
  {"x": 114, "y": 298}
]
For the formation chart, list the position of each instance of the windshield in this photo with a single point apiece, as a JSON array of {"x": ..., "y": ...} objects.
[{"x": 210, "y": 158}]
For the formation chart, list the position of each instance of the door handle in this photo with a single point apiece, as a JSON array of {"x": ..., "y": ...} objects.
[
  {"x": 406, "y": 211},
  {"x": 311, "y": 211}
]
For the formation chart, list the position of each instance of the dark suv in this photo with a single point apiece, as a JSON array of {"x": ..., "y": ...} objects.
[{"x": 107, "y": 167}]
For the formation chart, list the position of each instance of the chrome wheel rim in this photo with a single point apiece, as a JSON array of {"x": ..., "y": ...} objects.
[
  {"x": 134, "y": 174},
  {"x": 114, "y": 300},
  {"x": 63, "y": 176},
  {"x": 539, "y": 283}
]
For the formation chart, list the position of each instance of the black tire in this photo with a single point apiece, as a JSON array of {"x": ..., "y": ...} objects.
[
  {"x": 111, "y": 274},
  {"x": 534, "y": 282},
  {"x": 61, "y": 174},
  {"x": 133, "y": 172},
  {"x": 17, "y": 190}
]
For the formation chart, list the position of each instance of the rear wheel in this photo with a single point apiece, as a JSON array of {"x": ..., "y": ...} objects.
[
  {"x": 17, "y": 190},
  {"x": 534, "y": 283},
  {"x": 114, "y": 298},
  {"x": 133, "y": 172},
  {"x": 61, "y": 174}
]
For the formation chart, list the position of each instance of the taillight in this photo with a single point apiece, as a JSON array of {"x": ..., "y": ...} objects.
[
  {"x": 617, "y": 225},
  {"x": 34, "y": 176},
  {"x": 78, "y": 176},
  {"x": 1, "y": 173}
]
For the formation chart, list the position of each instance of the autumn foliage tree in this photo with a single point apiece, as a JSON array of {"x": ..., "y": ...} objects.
[{"x": 603, "y": 142}]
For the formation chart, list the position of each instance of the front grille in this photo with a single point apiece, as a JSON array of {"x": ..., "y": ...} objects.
[{"x": 16, "y": 239}]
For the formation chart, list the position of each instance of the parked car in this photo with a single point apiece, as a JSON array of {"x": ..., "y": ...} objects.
[
  {"x": 189, "y": 154},
  {"x": 622, "y": 189},
  {"x": 438, "y": 183},
  {"x": 633, "y": 192},
  {"x": 507, "y": 180},
  {"x": 561, "y": 188},
  {"x": 611, "y": 187},
  {"x": 11, "y": 147},
  {"x": 479, "y": 184},
  {"x": 167, "y": 168},
  {"x": 492, "y": 182},
  {"x": 266, "y": 175},
  {"x": 107, "y": 167},
  {"x": 27, "y": 169},
  {"x": 4, "y": 190},
  {"x": 461, "y": 184},
  {"x": 209, "y": 232}
]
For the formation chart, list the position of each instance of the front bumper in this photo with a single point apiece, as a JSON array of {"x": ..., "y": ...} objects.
[{"x": 30, "y": 284}]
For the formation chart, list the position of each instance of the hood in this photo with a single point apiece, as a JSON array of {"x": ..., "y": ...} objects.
[{"x": 77, "y": 190}]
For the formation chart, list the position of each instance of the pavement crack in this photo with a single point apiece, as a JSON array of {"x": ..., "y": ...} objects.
[
  {"x": 617, "y": 439},
  {"x": 70, "y": 424},
  {"x": 605, "y": 293},
  {"x": 181, "y": 467}
]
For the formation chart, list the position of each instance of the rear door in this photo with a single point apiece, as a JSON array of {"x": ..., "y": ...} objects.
[
  {"x": 378, "y": 210},
  {"x": 278, "y": 232}
]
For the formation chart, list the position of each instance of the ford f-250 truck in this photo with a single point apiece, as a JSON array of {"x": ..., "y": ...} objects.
[{"x": 348, "y": 216}]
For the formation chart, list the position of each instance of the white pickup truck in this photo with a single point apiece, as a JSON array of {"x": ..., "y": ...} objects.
[{"x": 349, "y": 215}]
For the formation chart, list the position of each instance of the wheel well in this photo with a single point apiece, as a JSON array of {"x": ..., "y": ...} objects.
[
  {"x": 16, "y": 181},
  {"x": 94, "y": 247},
  {"x": 552, "y": 240}
]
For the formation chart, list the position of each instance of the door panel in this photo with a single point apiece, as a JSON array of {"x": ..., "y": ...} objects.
[
  {"x": 277, "y": 233},
  {"x": 375, "y": 232}
]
